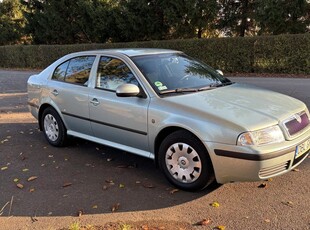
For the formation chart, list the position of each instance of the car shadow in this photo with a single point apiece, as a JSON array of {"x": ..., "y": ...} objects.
[{"x": 81, "y": 178}]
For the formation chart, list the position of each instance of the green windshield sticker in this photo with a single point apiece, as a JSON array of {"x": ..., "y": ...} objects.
[
  {"x": 158, "y": 83},
  {"x": 162, "y": 87}
]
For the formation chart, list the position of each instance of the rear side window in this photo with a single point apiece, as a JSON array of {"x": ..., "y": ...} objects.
[{"x": 75, "y": 70}]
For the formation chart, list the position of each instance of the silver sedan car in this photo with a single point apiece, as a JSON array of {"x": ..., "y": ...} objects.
[{"x": 197, "y": 125}]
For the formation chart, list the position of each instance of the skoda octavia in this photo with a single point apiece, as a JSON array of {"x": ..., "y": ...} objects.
[{"x": 197, "y": 125}]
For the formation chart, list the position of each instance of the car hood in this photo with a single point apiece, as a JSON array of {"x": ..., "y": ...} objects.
[{"x": 247, "y": 106}]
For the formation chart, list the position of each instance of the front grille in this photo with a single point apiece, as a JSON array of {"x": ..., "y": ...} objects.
[
  {"x": 297, "y": 123},
  {"x": 273, "y": 170}
]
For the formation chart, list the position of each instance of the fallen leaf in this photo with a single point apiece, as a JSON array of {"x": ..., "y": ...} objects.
[
  {"x": 50, "y": 213},
  {"x": 269, "y": 179},
  {"x": 95, "y": 207},
  {"x": 115, "y": 207},
  {"x": 296, "y": 170},
  {"x": 121, "y": 185},
  {"x": 20, "y": 186},
  {"x": 16, "y": 180},
  {"x": 80, "y": 213},
  {"x": 25, "y": 170},
  {"x": 134, "y": 165},
  {"x": 66, "y": 184},
  {"x": 220, "y": 227},
  {"x": 148, "y": 185},
  {"x": 122, "y": 166},
  {"x": 32, "y": 178},
  {"x": 203, "y": 222},
  {"x": 267, "y": 220},
  {"x": 174, "y": 191},
  {"x": 111, "y": 182},
  {"x": 263, "y": 185},
  {"x": 215, "y": 204},
  {"x": 138, "y": 182},
  {"x": 42, "y": 165},
  {"x": 33, "y": 219},
  {"x": 288, "y": 203},
  {"x": 105, "y": 187},
  {"x": 50, "y": 156},
  {"x": 31, "y": 190},
  {"x": 4, "y": 168}
]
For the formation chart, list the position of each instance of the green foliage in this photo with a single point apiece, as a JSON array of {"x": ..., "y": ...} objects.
[
  {"x": 264, "y": 54},
  {"x": 11, "y": 22},
  {"x": 100, "y": 21},
  {"x": 237, "y": 17},
  {"x": 283, "y": 16}
]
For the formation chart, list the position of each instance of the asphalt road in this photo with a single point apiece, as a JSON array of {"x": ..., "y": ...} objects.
[{"x": 93, "y": 179}]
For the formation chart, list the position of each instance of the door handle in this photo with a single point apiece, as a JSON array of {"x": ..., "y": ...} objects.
[
  {"x": 95, "y": 101},
  {"x": 55, "y": 92}
]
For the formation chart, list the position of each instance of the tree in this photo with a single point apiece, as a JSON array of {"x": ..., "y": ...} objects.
[
  {"x": 138, "y": 20},
  {"x": 11, "y": 22},
  {"x": 236, "y": 17},
  {"x": 190, "y": 18},
  {"x": 283, "y": 16}
]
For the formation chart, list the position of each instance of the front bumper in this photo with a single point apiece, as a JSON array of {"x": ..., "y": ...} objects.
[{"x": 242, "y": 163}]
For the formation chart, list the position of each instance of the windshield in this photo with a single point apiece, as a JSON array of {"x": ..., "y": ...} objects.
[{"x": 175, "y": 73}]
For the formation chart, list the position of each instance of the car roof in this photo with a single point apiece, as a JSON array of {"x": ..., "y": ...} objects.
[{"x": 131, "y": 52}]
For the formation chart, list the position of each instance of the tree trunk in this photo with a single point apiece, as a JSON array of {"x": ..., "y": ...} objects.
[{"x": 243, "y": 25}]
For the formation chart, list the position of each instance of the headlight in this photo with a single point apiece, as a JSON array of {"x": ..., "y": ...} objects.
[{"x": 265, "y": 136}]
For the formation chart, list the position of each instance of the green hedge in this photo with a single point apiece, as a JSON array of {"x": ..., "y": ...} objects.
[{"x": 263, "y": 54}]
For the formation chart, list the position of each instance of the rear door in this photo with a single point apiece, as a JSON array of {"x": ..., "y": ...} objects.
[{"x": 69, "y": 92}]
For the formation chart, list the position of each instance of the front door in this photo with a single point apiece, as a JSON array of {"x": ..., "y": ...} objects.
[{"x": 119, "y": 121}]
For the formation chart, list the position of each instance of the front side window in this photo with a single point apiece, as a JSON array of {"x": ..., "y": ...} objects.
[
  {"x": 75, "y": 70},
  {"x": 112, "y": 73}
]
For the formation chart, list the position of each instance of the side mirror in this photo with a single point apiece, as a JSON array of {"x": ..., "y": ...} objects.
[
  {"x": 127, "y": 90},
  {"x": 220, "y": 72}
]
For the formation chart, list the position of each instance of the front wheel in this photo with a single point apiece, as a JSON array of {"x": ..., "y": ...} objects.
[
  {"x": 53, "y": 127},
  {"x": 185, "y": 161}
]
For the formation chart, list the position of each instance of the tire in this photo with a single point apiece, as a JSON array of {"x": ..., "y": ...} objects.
[
  {"x": 185, "y": 161},
  {"x": 53, "y": 128}
]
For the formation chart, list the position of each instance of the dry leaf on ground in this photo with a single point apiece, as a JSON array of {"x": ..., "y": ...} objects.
[
  {"x": 20, "y": 186},
  {"x": 220, "y": 227},
  {"x": 203, "y": 222},
  {"x": 115, "y": 207},
  {"x": 32, "y": 178},
  {"x": 263, "y": 185},
  {"x": 148, "y": 185},
  {"x": 288, "y": 203},
  {"x": 215, "y": 204},
  {"x": 66, "y": 184},
  {"x": 174, "y": 191}
]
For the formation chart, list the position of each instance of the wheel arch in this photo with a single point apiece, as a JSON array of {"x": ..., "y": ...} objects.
[
  {"x": 164, "y": 133},
  {"x": 41, "y": 110}
]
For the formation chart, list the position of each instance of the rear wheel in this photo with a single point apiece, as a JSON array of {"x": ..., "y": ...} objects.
[
  {"x": 185, "y": 161},
  {"x": 53, "y": 127}
]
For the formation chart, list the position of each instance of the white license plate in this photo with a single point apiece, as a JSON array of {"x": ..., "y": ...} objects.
[{"x": 302, "y": 148}]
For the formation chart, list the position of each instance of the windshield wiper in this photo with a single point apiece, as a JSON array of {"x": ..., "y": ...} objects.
[
  {"x": 215, "y": 85},
  {"x": 187, "y": 90},
  {"x": 179, "y": 90}
]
